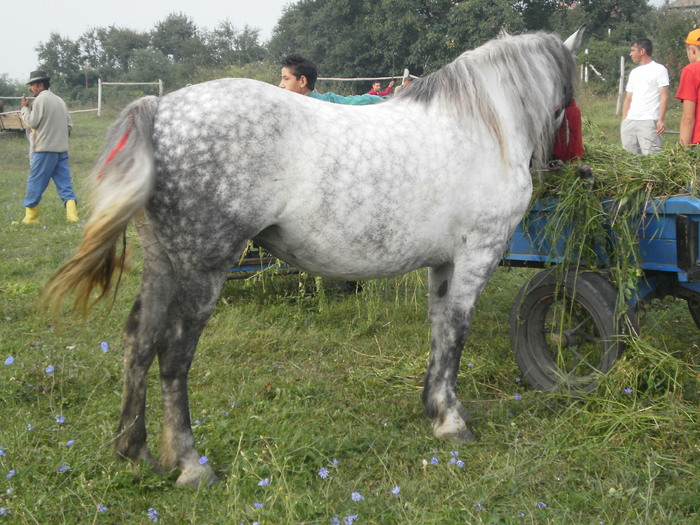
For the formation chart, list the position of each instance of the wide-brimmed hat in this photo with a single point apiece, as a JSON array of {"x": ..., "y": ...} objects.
[
  {"x": 36, "y": 76},
  {"x": 693, "y": 38}
]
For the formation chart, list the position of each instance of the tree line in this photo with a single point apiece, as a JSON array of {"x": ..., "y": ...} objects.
[{"x": 354, "y": 38}]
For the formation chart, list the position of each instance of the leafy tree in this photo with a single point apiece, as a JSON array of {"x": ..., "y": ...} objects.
[
  {"x": 177, "y": 38},
  {"x": 10, "y": 88},
  {"x": 61, "y": 59},
  {"x": 537, "y": 14},
  {"x": 118, "y": 46},
  {"x": 603, "y": 16},
  {"x": 149, "y": 65},
  {"x": 669, "y": 28},
  {"x": 227, "y": 46}
]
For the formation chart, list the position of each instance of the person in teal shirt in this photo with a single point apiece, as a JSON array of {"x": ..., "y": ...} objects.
[{"x": 299, "y": 75}]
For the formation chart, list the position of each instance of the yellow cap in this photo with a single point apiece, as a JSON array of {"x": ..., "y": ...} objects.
[{"x": 693, "y": 37}]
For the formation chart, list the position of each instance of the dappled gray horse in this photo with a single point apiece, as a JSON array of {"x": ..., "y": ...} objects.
[{"x": 206, "y": 168}]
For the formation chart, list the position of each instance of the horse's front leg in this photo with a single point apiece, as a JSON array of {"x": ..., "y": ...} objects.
[{"x": 453, "y": 291}]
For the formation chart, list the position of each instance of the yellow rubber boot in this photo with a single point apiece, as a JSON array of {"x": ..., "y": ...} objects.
[
  {"x": 31, "y": 215},
  {"x": 71, "y": 211}
]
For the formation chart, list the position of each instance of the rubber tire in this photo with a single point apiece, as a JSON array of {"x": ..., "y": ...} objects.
[
  {"x": 558, "y": 358},
  {"x": 693, "y": 300}
]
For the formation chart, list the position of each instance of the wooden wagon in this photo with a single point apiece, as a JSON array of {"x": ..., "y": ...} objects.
[{"x": 12, "y": 121}]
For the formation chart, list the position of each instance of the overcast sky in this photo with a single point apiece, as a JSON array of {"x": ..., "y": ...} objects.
[{"x": 26, "y": 24}]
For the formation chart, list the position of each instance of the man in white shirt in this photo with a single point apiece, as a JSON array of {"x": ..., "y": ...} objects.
[{"x": 644, "y": 109}]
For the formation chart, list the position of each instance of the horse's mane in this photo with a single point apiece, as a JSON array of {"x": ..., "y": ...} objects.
[{"x": 521, "y": 64}]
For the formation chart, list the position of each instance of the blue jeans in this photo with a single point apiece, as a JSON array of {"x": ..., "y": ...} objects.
[{"x": 44, "y": 167}]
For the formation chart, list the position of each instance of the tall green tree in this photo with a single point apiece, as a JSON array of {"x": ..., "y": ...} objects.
[
  {"x": 177, "y": 37},
  {"x": 227, "y": 46},
  {"x": 119, "y": 45},
  {"x": 61, "y": 59}
]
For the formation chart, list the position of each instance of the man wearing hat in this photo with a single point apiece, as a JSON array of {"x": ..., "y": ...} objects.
[
  {"x": 50, "y": 123},
  {"x": 689, "y": 92}
]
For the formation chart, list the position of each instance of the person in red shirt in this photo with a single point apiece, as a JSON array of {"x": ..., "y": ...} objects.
[
  {"x": 377, "y": 86},
  {"x": 568, "y": 142},
  {"x": 689, "y": 92}
]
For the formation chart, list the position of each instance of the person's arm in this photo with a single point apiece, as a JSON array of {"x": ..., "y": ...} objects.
[
  {"x": 626, "y": 105},
  {"x": 663, "y": 101},
  {"x": 687, "y": 123},
  {"x": 352, "y": 100},
  {"x": 387, "y": 91},
  {"x": 32, "y": 118}
]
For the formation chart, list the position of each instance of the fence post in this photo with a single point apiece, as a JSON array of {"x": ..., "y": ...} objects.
[
  {"x": 160, "y": 88},
  {"x": 99, "y": 97},
  {"x": 621, "y": 88}
]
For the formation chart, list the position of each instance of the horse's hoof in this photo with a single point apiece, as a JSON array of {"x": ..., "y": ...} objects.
[
  {"x": 464, "y": 436},
  {"x": 463, "y": 412},
  {"x": 451, "y": 426},
  {"x": 195, "y": 478}
]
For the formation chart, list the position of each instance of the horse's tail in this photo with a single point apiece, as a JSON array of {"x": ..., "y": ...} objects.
[{"x": 122, "y": 183}]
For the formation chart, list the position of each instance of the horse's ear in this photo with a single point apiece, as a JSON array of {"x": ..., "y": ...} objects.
[{"x": 574, "y": 41}]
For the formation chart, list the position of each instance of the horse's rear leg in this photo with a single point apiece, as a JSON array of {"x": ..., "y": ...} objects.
[
  {"x": 196, "y": 297},
  {"x": 142, "y": 335},
  {"x": 454, "y": 289}
]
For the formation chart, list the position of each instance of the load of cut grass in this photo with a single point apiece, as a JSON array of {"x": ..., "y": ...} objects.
[{"x": 595, "y": 207}]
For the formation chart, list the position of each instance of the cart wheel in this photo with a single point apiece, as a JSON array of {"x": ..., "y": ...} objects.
[
  {"x": 693, "y": 300},
  {"x": 564, "y": 330}
]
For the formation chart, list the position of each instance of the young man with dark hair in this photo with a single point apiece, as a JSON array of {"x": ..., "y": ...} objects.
[
  {"x": 299, "y": 75},
  {"x": 644, "y": 109}
]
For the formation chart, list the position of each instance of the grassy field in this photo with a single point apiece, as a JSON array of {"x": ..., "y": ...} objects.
[{"x": 308, "y": 406}]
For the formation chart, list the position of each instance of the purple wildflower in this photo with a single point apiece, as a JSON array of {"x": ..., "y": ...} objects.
[
  {"x": 9, "y": 360},
  {"x": 323, "y": 473},
  {"x": 356, "y": 496},
  {"x": 203, "y": 460},
  {"x": 264, "y": 482}
]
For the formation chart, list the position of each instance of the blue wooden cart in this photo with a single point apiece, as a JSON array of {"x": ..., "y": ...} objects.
[{"x": 568, "y": 324}]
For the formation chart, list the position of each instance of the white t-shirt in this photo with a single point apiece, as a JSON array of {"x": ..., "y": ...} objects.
[{"x": 644, "y": 83}]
